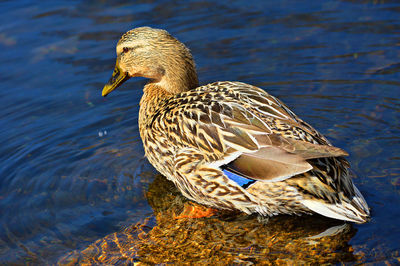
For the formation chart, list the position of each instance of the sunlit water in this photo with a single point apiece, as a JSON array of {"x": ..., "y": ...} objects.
[{"x": 71, "y": 162}]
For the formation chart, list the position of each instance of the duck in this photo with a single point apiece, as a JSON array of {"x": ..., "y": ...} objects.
[{"x": 229, "y": 145}]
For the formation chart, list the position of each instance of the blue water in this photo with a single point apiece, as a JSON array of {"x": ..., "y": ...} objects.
[{"x": 71, "y": 162}]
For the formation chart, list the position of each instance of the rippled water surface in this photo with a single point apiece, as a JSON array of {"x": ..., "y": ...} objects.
[{"x": 71, "y": 162}]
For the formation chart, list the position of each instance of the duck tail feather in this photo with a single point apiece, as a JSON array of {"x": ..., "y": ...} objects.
[{"x": 355, "y": 210}]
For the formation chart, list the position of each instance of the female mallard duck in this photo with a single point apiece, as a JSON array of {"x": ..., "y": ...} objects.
[{"x": 230, "y": 145}]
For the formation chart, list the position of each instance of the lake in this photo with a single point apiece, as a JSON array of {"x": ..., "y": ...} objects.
[{"x": 72, "y": 166}]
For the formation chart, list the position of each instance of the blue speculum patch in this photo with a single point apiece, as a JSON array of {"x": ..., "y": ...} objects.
[{"x": 242, "y": 181}]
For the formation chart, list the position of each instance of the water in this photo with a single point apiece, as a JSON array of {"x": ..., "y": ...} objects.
[{"x": 71, "y": 162}]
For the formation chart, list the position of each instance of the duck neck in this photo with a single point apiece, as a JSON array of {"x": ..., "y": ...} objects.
[
  {"x": 178, "y": 77},
  {"x": 174, "y": 82}
]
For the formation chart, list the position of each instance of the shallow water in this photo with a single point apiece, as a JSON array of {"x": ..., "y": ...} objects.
[{"x": 71, "y": 162}]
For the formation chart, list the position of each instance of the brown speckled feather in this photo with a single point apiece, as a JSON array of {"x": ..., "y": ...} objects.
[{"x": 218, "y": 121}]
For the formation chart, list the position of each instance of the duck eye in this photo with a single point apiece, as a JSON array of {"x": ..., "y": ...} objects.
[{"x": 125, "y": 49}]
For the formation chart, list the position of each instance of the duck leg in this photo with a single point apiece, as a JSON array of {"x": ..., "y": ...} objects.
[{"x": 194, "y": 210}]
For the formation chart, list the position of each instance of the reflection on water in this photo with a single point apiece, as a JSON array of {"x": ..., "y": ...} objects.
[
  {"x": 231, "y": 239},
  {"x": 65, "y": 183}
]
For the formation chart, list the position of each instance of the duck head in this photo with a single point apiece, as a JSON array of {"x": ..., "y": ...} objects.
[{"x": 156, "y": 55}]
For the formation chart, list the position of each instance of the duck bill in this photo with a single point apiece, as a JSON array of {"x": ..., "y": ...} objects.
[{"x": 118, "y": 77}]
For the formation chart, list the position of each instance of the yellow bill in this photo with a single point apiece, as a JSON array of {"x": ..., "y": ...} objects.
[{"x": 118, "y": 77}]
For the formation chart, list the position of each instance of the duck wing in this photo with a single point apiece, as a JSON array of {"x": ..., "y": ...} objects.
[{"x": 226, "y": 125}]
